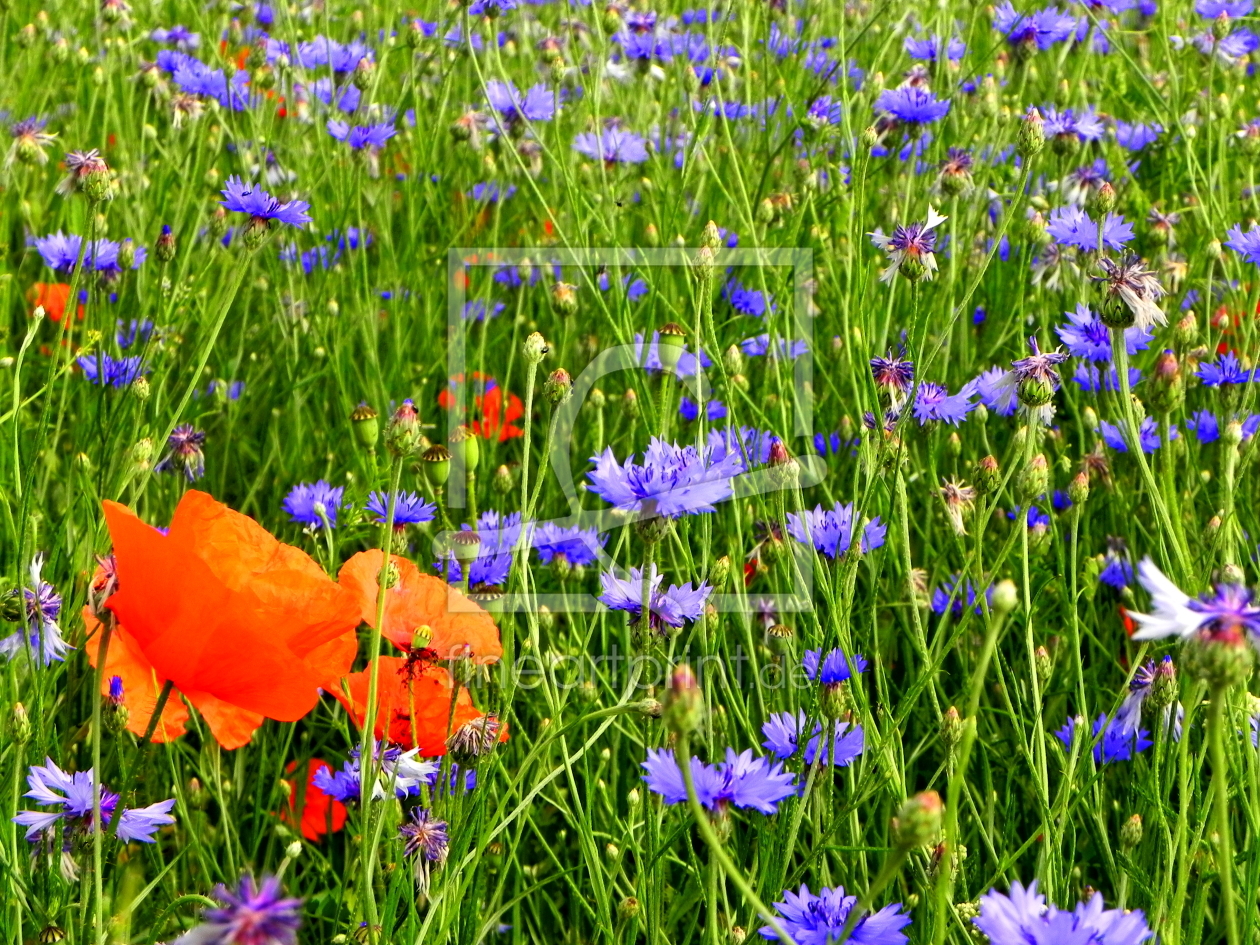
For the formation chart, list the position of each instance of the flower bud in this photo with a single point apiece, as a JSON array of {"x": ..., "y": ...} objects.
[
  {"x": 366, "y": 426},
  {"x": 535, "y": 348},
  {"x": 987, "y": 476},
  {"x": 918, "y": 822},
  {"x": 364, "y": 72},
  {"x": 719, "y": 572},
  {"x": 630, "y": 404},
  {"x": 651, "y": 708},
  {"x": 733, "y": 360},
  {"x": 629, "y": 908},
  {"x": 952, "y": 727},
  {"x": 1005, "y": 597},
  {"x": 1078, "y": 489},
  {"x": 1032, "y": 134},
  {"x": 684, "y": 702},
  {"x": 1131, "y": 833},
  {"x": 1164, "y": 687},
  {"x": 558, "y": 387},
  {"x": 165, "y": 245},
  {"x": 1104, "y": 200},
  {"x": 1044, "y": 664},
  {"x": 564, "y": 300},
  {"x": 1186, "y": 331},
  {"x": 1220, "y": 661},
  {"x": 711, "y": 237},
  {"x": 1036, "y": 478},
  {"x": 21, "y": 724},
  {"x": 503, "y": 481},
  {"x": 402, "y": 435}
]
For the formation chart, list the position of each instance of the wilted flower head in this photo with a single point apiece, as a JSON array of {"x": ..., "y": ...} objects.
[
  {"x": 39, "y": 616},
  {"x": 424, "y": 836},
  {"x": 184, "y": 452},
  {"x": 911, "y": 247},
  {"x": 29, "y": 141},
  {"x": 1131, "y": 293}
]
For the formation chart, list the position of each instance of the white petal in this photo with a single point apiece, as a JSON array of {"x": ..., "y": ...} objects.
[{"x": 934, "y": 219}]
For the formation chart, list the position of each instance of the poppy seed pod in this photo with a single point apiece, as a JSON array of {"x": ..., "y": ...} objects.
[
  {"x": 437, "y": 464},
  {"x": 672, "y": 339},
  {"x": 366, "y": 426},
  {"x": 465, "y": 447}
]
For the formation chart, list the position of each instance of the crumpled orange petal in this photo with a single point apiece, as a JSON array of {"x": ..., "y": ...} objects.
[
  {"x": 142, "y": 685},
  {"x": 413, "y": 705},
  {"x": 245, "y": 626},
  {"x": 458, "y": 625}
]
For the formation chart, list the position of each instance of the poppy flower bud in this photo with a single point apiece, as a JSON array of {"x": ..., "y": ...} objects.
[
  {"x": 987, "y": 476},
  {"x": 564, "y": 300},
  {"x": 1032, "y": 134},
  {"x": 536, "y": 348},
  {"x": 437, "y": 464},
  {"x": 465, "y": 447},
  {"x": 366, "y": 426},
  {"x": 558, "y": 387},
  {"x": 403, "y": 432},
  {"x": 630, "y": 405},
  {"x": 1104, "y": 199},
  {"x": 1005, "y": 597},
  {"x": 684, "y": 702},
  {"x": 918, "y": 822},
  {"x": 1131, "y": 833}
]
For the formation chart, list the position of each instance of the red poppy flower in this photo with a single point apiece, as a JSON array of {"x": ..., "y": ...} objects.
[
  {"x": 413, "y": 703},
  {"x": 495, "y": 422},
  {"x": 318, "y": 812},
  {"x": 458, "y": 626},
  {"x": 246, "y": 627},
  {"x": 52, "y": 297}
]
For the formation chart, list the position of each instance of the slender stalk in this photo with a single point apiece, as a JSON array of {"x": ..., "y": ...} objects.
[
  {"x": 98, "y": 832},
  {"x": 1220, "y": 801}
]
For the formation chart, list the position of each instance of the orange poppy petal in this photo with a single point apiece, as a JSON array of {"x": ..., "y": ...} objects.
[
  {"x": 230, "y": 725},
  {"x": 418, "y": 600},
  {"x": 141, "y": 684}
]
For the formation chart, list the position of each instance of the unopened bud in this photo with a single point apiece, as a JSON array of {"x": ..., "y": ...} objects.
[
  {"x": 1032, "y": 134},
  {"x": 951, "y": 728},
  {"x": 1036, "y": 478},
  {"x": 1005, "y": 597},
  {"x": 21, "y": 724},
  {"x": 684, "y": 702},
  {"x": 1104, "y": 199},
  {"x": 558, "y": 387},
  {"x": 987, "y": 476},
  {"x": 1078, "y": 489},
  {"x": 564, "y": 300},
  {"x": 535, "y": 348},
  {"x": 1045, "y": 665},
  {"x": 918, "y": 822},
  {"x": 402, "y": 435},
  {"x": 1131, "y": 833}
]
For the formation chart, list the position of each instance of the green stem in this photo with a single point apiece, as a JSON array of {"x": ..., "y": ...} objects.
[
  {"x": 98, "y": 833},
  {"x": 1220, "y": 787}
]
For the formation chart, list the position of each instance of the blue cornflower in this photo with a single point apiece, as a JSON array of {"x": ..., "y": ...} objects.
[
  {"x": 667, "y": 608},
  {"x": 426, "y": 839},
  {"x": 1085, "y": 336},
  {"x": 824, "y": 111},
  {"x": 1229, "y": 49},
  {"x": 831, "y": 531},
  {"x": 689, "y": 410},
  {"x": 819, "y": 919},
  {"x": 1136, "y": 136},
  {"x": 833, "y": 668},
  {"x": 1092, "y": 380},
  {"x": 43, "y": 610},
  {"x": 409, "y": 509},
  {"x": 490, "y": 192},
  {"x": 1117, "y": 743},
  {"x": 612, "y": 146},
  {"x": 1227, "y": 370},
  {"x": 575, "y": 544},
  {"x": 59, "y": 251},
  {"x": 1072, "y": 226},
  {"x": 1246, "y": 244},
  {"x": 128, "y": 334},
  {"x": 181, "y": 37},
  {"x": 759, "y": 345},
  {"x": 75, "y": 794},
  {"x": 930, "y": 48},
  {"x": 911, "y": 105},
  {"x": 830, "y": 445},
  {"x": 1224, "y": 613},
  {"x": 1214, "y": 9},
  {"x": 314, "y": 504},
  {"x": 1023, "y": 917},
  {"x": 933, "y": 401},
  {"x": 1072, "y": 127},
  {"x": 1117, "y": 570},
  {"x": 362, "y": 136},
  {"x": 783, "y": 731},
  {"x": 490, "y": 8},
  {"x": 403, "y": 771},
  {"x": 1039, "y": 30},
  {"x": 1207, "y": 427},
  {"x": 747, "y": 301},
  {"x": 894, "y": 375},
  {"x": 249, "y": 914},
  {"x": 184, "y": 452},
  {"x": 1035, "y": 519},
  {"x": 962, "y": 597},
  {"x": 514, "y": 107},
  {"x": 103, "y": 370},
  {"x": 261, "y": 206},
  {"x": 748, "y": 446},
  {"x": 671, "y": 481},
  {"x": 498, "y": 537},
  {"x": 1148, "y": 435},
  {"x": 741, "y": 781}
]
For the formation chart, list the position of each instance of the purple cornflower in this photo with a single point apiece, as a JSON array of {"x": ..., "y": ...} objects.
[
  {"x": 833, "y": 668},
  {"x": 409, "y": 509},
  {"x": 1034, "y": 31},
  {"x": 261, "y": 206},
  {"x": 184, "y": 452},
  {"x": 819, "y": 919},
  {"x": 1148, "y": 435},
  {"x": 612, "y": 146},
  {"x": 671, "y": 481},
  {"x": 1225, "y": 613},
  {"x": 741, "y": 781},
  {"x": 514, "y": 107},
  {"x": 1072, "y": 226},
  {"x": 690, "y": 410},
  {"x": 314, "y": 504},
  {"x": 747, "y": 301},
  {"x": 962, "y": 597},
  {"x": 747, "y": 446},
  {"x": 930, "y": 48},
  {"x": 1033, "y": 380},
  {"x": 933, "y": 401},
  {"x": 667, "y": 608},
  {"x": 401, "y": 771},
  {"x": 1226, "y": 370},
  {"x": 74, "y": 794},
  {"x": 1072, "y": 128},
  {"x": 30, "y": 141},
  {"x": 43, "y": 610},
  {"x": 1092, "y": 380},
  {"x": 424, "y": 836},
  {"x": 362, "y": 136},
  {"x": 1128, "y": 284},
  {"x": 783, "y": 731},
  {"x": 994, "y": 393},
  {"x": 576, "y": 545},
  {"x": 1246, "y": 244},
  {"x": 498, "y": 537},
  {"x": 249, "y": 915},
  {"x": 1087, "y": 337},
  {"x": 1230, "y": 9},
  {"x": 1023, "y": 917},
  {"x": 913, "y": 244},
  {"x": 786, "y": 350},
  {"x": 1117, "y": 742},
  {"x": 59, "y": 251},
  {"x": 1117, "y": 570},
  {"x": 1136, "y": 136},
  {"x": 105, "y": 371},
  {"x": 181, "y": 37},
  {"x": 831, "y": 531},
  {"x": 911, "y": 105},
  {"x": 490, "y": 8}
]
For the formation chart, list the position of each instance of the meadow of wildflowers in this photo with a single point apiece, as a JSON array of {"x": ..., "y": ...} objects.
[{"x": 609, "y": 472}]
